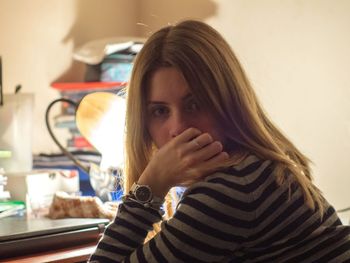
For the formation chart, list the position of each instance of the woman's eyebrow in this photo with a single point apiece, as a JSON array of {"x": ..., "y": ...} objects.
[
  {"x": 187, "y": 97},
  {"x": 150, "y": 102}
]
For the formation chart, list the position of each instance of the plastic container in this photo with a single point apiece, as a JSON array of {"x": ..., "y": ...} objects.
[{"x": 16, "y": 123}]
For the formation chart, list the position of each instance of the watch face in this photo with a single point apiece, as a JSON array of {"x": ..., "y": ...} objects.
[{"x": 143, "y": 194}]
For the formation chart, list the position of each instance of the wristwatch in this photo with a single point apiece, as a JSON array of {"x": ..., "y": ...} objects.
[{"x": 143, "y": 195}]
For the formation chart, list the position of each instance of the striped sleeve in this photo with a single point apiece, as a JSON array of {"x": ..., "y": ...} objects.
[
  {"x": 238, "y": 215},
  {"x": 126, "y": 233}
]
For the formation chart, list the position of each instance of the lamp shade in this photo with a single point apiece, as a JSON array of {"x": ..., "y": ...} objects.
[{"x": 100, "y": 118}]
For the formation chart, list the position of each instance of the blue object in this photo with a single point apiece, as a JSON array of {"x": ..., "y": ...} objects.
[{"x": 117, "y": 195}]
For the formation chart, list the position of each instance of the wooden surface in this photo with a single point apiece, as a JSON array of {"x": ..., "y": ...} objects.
[{"x": 67, "y": 255}]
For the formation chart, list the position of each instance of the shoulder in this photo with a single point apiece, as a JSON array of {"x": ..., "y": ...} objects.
[
  {"x": 242, "y": 178},
  {"x": 236, "y": 187},
  {"x": 246, "y": 172}
]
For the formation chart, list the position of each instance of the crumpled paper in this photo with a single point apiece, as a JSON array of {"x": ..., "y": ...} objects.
[{"x": 65, "y": 205}]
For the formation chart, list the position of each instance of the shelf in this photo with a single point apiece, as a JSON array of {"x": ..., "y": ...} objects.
[{"x": 66, "y": 86}]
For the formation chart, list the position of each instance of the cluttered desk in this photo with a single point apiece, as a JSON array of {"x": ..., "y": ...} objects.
[
  {"x": 51, "y": 211},
  {"x": 52, "y": 224}
]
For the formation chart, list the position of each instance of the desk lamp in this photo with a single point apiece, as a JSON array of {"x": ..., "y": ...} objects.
[{"x": 100, "y": 118}]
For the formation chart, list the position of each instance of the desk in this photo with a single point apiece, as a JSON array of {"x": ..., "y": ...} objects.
[
  {"x": 66, "y": 255},
  {"x": 49, "y": 240}
]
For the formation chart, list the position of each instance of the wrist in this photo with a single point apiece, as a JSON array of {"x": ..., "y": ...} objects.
[
  {"x": 143, "y": 195},
  {"x": 157, "y": 186}
]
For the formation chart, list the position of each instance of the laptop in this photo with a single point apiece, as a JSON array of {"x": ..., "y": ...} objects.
[{"x": 20, "y": 236}]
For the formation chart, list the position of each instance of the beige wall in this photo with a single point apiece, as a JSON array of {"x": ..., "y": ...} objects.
[
  {"x": 37, "y": 38},
  {"x": 156, "y": 13},
  {"x": 296, "y": 54}
]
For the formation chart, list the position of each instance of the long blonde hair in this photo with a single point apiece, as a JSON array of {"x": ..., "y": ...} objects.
[{"x": 219, "y": 82}]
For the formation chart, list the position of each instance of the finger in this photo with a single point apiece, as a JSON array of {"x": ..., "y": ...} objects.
[
  {"x": 189, "y": 182},
  {"x": 208, "y": 151},
  {"x": 204, "y": 169},
  {"x": 221, "y": 157},
  {"x": 207, "y": 168},
  {"x": 187, "y": 135},
  {"x": 214, "y": 163},
  {"x": 199, "y": 142},
  {"x": 194, "y": 142}
]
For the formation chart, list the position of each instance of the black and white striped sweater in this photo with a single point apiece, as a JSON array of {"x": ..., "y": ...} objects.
[{"x": 240, "y": 215}]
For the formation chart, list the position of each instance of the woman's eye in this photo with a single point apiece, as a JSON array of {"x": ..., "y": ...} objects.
[
  {"x": 192, "y": 106},
  {"x": 159, "y": 111}
]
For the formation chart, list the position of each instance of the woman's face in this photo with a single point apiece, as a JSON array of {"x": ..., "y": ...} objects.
[{"x": 171, "y": 108}]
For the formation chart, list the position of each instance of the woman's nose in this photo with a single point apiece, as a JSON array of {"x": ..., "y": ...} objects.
[{"x": 177, "y": 124}]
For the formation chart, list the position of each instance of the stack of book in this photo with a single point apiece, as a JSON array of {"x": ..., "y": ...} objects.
[
  {"x": 8, "y": 207},
  {"x": 11, "y": 208}
]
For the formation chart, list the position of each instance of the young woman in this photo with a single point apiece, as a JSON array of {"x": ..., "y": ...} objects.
[{"x": 193, "y": 119}]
